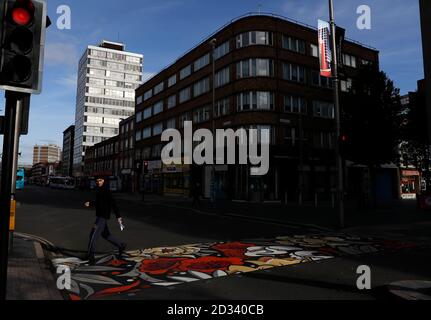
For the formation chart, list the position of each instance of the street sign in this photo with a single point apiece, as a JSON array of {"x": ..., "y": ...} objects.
[
  {"x": 325, "y": 55},
  {"x": 340, "y": 35}
]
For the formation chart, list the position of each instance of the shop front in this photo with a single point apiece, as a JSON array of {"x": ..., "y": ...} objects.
[
  {"x": 154, "y": 181},
  {"x": 410, "y": 184},
  {"x": 176, "y": 179},
  {"x": 126, "y": 179}
]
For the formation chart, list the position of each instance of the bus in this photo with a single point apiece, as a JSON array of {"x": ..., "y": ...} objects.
[
  {"x": 61, "y": 183},
  {"x": 20, "y": 176}
]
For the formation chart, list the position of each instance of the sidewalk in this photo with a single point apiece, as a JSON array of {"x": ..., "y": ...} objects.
[
  {"x": 397, "y": 212},
  {"x": 29, "y": 277}
]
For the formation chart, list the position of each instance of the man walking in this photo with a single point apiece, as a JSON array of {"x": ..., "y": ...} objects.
[{"x": 104, "y": 203}]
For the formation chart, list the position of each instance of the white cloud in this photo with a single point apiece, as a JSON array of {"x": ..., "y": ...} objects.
[
  {"x": 59, "y": 53},
  {"x": 69, "y": 81}
]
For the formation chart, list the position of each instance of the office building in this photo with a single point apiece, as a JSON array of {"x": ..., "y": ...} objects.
[
  {"x": 107, "y": 78},
  {"x": 266, "y": 77},
  {"x": 46, "y": 154},
  {"x": 67, "y": 158}
]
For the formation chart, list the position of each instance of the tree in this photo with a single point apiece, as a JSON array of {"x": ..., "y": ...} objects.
[
  {"x": 371, "y": 120},
  {"x": 414, "y": 148}
]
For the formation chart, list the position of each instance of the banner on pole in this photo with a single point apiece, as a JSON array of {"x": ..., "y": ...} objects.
[{"x": 325, "y": 55}]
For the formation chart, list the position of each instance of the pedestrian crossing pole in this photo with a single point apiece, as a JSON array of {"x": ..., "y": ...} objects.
[
  {"x": 14, "y": 103},
  {"x": 336, "y": 81}
]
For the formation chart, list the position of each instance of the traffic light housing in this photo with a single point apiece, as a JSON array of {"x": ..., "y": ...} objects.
[
  {"x": 22, "y": 32},
  {"x": 138, "y": 167},
  {"x": 344, "y": 142},
  {"x": 146, "y": 164}
]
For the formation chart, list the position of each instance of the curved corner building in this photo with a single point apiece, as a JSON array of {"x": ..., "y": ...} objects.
[{"x": 266, "y": 76}]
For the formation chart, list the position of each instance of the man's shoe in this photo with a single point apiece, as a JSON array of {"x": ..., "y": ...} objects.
[
  {"x": 91, "y": 259},
  {"x": 121, "y": 250}
]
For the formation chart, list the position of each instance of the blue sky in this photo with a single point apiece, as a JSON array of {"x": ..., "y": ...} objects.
[{"x": 163, "y": 30}]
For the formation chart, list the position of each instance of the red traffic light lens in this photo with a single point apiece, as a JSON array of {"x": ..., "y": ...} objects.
[{"x": 21, "y": 16}]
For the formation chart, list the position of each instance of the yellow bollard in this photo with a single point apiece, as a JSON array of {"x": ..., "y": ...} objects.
[{"x": 12, "y": 215}]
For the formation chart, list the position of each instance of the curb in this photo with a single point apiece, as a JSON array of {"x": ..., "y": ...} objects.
[{"x": 47, "y": 274}]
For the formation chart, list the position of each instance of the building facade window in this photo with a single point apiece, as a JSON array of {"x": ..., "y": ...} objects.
[
  {"x": 157, "y": 129},
  {"x": 148, "y": 113},
  {"x": 171, "y": 123},
  {"x": 346, "y": 85},
  {"x": 254, "y": 38},
  {"x": 185, "y": 95},
  {"x": 349, "y": 60},
  {"x": 114, "y": 93},
  {"x": 89, "y": 119},
  {"x": 158, "y": 108},
  {"x": 185, "y": 117},
  {"x": 323, "y": 109},
  {"x": 295, "y": 104},
  {"x": 97, "y": 91},
  {"x": 323, "y": 140},
  {"x": 159, "y": 88},
  {"x": 185, "y": 72},
  {"x": 320, "y": 81},
  {"x": 263, "y": 131},
  {"x": 111, "y": 121},
  {"x": 255, "y": 100},
  {"x": 156, "y": 151},
  {"x": 291, "y": 136},
  {"x": 366, "y": 62},
  {"x": 201, "y": 87},
  {"x": 172, "y": 80},
  {"x": 172, "y": 101},
  {"x": 255, "y": 68},
  {"x": 146, "y": 133},
  {"x": 96, "y": 82},
  {"x": 202, "y": 62},
  {"x": 293, "y": 72},
  {"x": 222, "y": 77},
  {"x": 314, "y": 50},
  {"x": 294, "y": 44},
  {"x": 221, "y": 50},
  {"x": 221, "y": 108},
  {"x": 201, "y": 114},
  {"x": 138, "y": 135},
  {"x": 148, "y": 95}
]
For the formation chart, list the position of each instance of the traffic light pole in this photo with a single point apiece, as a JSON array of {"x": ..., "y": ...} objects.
[
  {"x": 16, "y": 137},
  {"x": 14, "y": 103},
  {"x": 336, "y": 83}
]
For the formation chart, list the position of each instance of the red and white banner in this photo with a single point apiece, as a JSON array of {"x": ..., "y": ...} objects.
[{"x": 325, "y": 55}]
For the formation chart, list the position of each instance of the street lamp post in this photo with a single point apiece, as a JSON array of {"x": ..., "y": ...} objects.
[
  {"x": 336, "y": 84},
  {"x": 213, "y": 43}
]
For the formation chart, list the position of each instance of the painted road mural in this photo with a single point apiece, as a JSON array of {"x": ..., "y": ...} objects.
[{"x": 171, "y": 266}]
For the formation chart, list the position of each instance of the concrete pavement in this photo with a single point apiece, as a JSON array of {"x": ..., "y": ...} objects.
[{"x": 29, "y": 276}]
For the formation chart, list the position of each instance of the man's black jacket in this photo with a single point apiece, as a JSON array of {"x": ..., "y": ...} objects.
[{"x": 104, "y": 203}]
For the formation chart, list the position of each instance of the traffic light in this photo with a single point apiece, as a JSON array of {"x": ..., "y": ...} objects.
[
  {"x": 146, "y": 167},
  {"x": 22, "y": 30},
  {"x": 344, "y": 145},
  {"x": 138, "y": 167}
]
